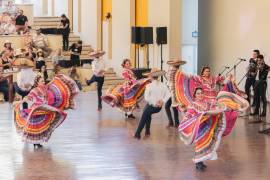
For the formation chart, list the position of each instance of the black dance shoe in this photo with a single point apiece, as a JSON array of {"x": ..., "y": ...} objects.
[
  {"x": 200, "y": 166},
  {"x": 263, "y": 114},
  {"x": 37, "y": 146},
  {"x": 131, "y": 116},
  {"x": 254, "y": 114},
  {"x": 147, "y": 134},
  {"x": 170, "y": 125},
  {"x": 137, "y": 136}
]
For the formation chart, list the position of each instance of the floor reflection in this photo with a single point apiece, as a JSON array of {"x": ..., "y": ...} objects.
[
  {"x": 40, "y": 164},
  {"x": 91, "y": 145}
]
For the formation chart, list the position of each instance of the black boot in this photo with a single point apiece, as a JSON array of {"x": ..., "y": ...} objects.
[
  {"x": 37, "y": 146},
  {"x": 263, "y": 114},
  {"x": 137, "y": 136},
  {"x": 170, "y": 124},
  {"x": 131, "y": 116},
  {"x": 200, "y": 166},
  {"x": 256, "y": 112}
]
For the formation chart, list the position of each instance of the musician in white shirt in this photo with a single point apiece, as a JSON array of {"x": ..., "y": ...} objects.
[
  {"x": 98, "y": 68},
  {"x": 156, "y": 94}
]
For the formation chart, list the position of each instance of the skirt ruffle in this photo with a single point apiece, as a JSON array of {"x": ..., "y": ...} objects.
[{"x": 124, "y": 98}]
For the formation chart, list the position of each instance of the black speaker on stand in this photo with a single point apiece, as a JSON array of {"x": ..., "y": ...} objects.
[
  {"x": 137, "y": 40},
  {"x": 147, "y": 38},
  {"x": 141, "y": 36},
  {"x": 161, "y": 39}
]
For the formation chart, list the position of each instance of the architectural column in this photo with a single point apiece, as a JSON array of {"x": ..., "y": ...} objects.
[
  {"x": 79, "y": 16},
  {"x": 70, "y": 13},
  {"x": 44, "y": 7},
  {"x": 53, "y": 8},
  {"x": 170, "y": 18}
]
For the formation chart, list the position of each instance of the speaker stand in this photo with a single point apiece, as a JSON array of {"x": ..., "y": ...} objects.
[
  {"x": 161, "y": 62},
  {"x": 148, "y": 62},
  {"x": 137, "y": 64}
]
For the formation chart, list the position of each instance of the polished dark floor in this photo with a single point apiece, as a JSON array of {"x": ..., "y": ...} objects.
[{"x": 100, "y": 146}]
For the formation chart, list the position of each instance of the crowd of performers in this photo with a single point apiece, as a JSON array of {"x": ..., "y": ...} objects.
[{"x": 209, "y": 106}]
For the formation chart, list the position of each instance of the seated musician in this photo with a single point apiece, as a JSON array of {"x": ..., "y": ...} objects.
[{"x": 3, "y": 84}]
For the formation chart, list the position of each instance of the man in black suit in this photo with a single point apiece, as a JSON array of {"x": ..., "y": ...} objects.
[
  {"x": 251, "y": 74},
  {"x": 261, "y": 86}
]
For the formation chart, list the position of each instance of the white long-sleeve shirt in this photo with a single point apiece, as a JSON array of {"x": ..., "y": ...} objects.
[
  {"x": 97, "y": 66},
  {"x": 156, "y": 91},
  {"x": 24, "y": 77}
]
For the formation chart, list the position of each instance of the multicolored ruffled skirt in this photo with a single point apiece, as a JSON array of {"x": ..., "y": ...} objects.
[
  {"x": 206, "y": 131},
  {"x": 126, "y": 98},
  {"x": 37, "y": 123}
]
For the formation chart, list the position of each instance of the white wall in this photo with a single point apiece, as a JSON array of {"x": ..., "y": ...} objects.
[
  {"x": 89, "y": 22},
  {"x": 37, "y": 7},
  {"x": 61, "y": 7},
  {"x": 189, "y": 43},
  {"x": 231, "y": 29},
  {"x": 190, "y": 21},
  {"x": 159, "y": 16},
  {"x": 121, "y": 32},
  {"x": 75, "y": 17}
]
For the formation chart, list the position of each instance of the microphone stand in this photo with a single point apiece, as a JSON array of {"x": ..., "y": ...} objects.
[
  {"x": 242, "y": 79},
  {"x": 225, "y": 68},
  {"x": 234, "y": 68}
]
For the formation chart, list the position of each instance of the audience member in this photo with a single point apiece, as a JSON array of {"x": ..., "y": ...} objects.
[
  {"x": 75, "y": 76},
  {"x": 11, "y": 9},
  {"x": 21, "y": 22},
  {"x": 65, "y": 26},
  {"x": 40, "y": 59},
  {"x": 44, "y": 73},
  {"x": 41, "y": 42},
  {"x": 75, "y": 49},
  {"x": 58, "y": 56},
  {"x": 3, "y": 84}
]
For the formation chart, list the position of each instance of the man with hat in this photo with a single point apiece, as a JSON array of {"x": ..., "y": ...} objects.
[
  {"x": 26, "y": 76},
  {"x": 98, "y": 68},
  {"x": 156, "y": 94}
]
